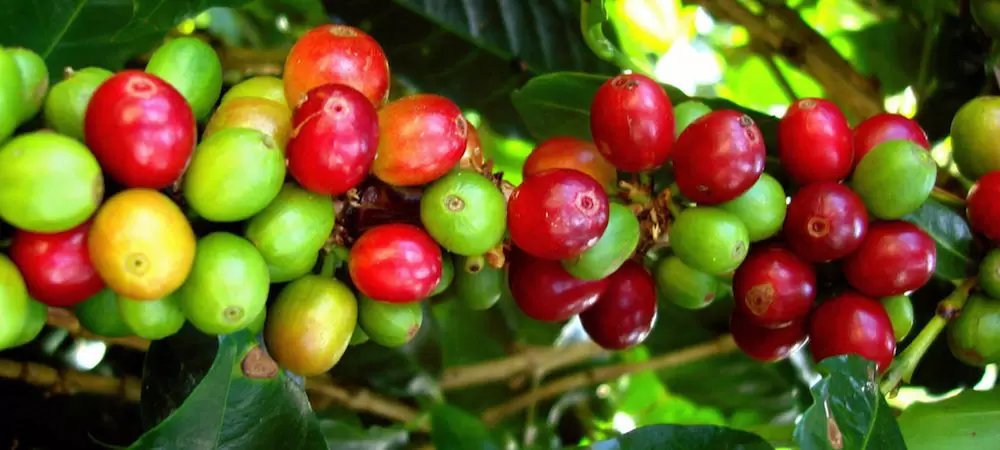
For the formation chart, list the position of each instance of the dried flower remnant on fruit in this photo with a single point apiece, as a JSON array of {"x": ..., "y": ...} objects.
[{"x": 257, "y": 364}]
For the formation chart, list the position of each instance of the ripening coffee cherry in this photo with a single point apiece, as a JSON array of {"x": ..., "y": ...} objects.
[
  {"x": 974, "y": 148},
  {"x": 883, "y": 128},
  {"x": 989, "y": 273},
  {"x": 766, "y": 344},
  {"x": 56, "y": 267},
  {"x": 291, "y": 230},
  {"x": 774, "y": 287},
  {"x": 421, "y": 138},
  {"x": 558, "y": 214},
  {"x": 624, "y": 314},
  {"x": 632, "y": 122},
  {"x": 825, "y": 221},
  {"x": 570, "y": 153},
  {"x": 66, "y": 104},
  {"x": 152, "y": 319},
  {"x": 192, "y": 67},
  {"x": 974, "y": 336},
  {"x": 982, "y": 206},
  {"x": 544, "y": 291},
  {"x": 895, "y": 179},
  {"x": 709, "y": 240},
  {"x": 718, "y": 157},
  {"x": 259, "y": 87},
  {"x": 616, "y": 245},
  {"x": 464, "y": 212},
  {"x": 395, "y": 263},
  {"x": 814, "y": 142},
  {"x": 851, "y": 323},
  {"x": 389, "y": 324},
  {"x": 267, "y": 116},
  {"x": 761, "y": 208},
  {"x": 895, "y": 257},
  {"x": 336, "y": 54}
]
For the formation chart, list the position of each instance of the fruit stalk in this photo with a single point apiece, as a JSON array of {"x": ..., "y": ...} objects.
[
  {"x": 947, "y": 198},
  {"x": 65, "y": 319},
  {"x": 535, "y": 360},
  {"x": 904, "y": 365},
  {"x": 70, "y": 381}
]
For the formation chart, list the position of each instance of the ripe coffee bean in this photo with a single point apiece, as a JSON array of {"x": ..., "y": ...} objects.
[
  {"x": 982, "y": 207},
  {"x": 774, "y": 287},
  {"x": 464, "y": 212},
  {"x": 617, "y": 243},
  {"x": 421, "y": 138},
  {"x": 709, "y": 240},
  {"x": 334, "y": 140},
  {"x": 895, "y": 179},
  {"x": 825, "y": 221},
  {"x": 974, "y": 336},
  {"x": 688, "y": 288},
  {"x": 395, "y": 263},
  {"x": 883, "y": 128},
  {"x": 718, "y": 157},
  {"x": 632, "y": 122},
  {"x": 544, "y": 291},
  {"x": 336, "y": 54},
  {"x": 56, "y": 267},
  {"x": 814, "y": 142},
  {"x": 851, "y": 323},
  {"x": 895, "y": 257},
  {"x": 558, "y": 214},
  {"x": 766, "y": 344},
  {"x": 624, "y": 313},
  {"x": 147, "y": 150},
  {"x": 570, "y": 153},
  {"x": 761, "y": 208}
]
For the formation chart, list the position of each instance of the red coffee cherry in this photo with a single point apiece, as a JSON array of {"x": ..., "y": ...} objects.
[
  {"x": 773, "y": 286},
  {"x": 718, "y": 157},
  {"x": 814, "y": 142},
  {"x": 825, "y": 221},
  {"x": 895, "y": 257},
  {"x": 632, "y": 122},
  {"x": 851, "y": 323}
]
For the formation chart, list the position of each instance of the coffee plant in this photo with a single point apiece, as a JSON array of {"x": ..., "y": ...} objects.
[{"x": 391, "y": 224}]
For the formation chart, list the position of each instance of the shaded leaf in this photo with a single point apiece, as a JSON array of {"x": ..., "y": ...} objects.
[
  {"x": 655, "y": 437},
  {"x": 970, "y": 420},
  {"x": 347, "y": 436},
  {"x": 172, "y": 369},
  {"x": 452, "y": 427},
  {"x": 80, "y": 33},
  {"x": 243, "y": 402},
  {"x": 848, "y": 411},
  {"x": 952, "y": 236}
]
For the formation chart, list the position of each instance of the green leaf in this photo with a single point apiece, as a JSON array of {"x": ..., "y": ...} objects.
[
  {"x": 452, "y": 427},
  {"x": 106, "y": 33},
  {"x": 848, "y": 411},
  {"x": 342, "y": 435},
  {"x": 703, "y": 437},
  {"x": 970, "y": 420},
  {"x": 953, "y": 237},
  {"x": 226, "y": 409}
]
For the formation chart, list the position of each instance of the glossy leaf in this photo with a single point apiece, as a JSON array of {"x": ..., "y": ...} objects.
[
  {"x": 970, "y": 420},
  {"x": 848, "y": 410},
  {"x": 654, "y": 437},
  {"x": 342, "y": 435},
  {"x": 81, "y": 33},
  {"x": 225, "y": 409},
  {"x": 955, "y": 247},
  {"x": 452, "y": 427}
]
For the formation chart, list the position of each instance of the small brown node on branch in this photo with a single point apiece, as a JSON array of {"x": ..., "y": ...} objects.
[{"x": 258, "y": 364}]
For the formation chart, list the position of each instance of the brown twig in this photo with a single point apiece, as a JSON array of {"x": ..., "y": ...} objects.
[
  {"x": 537, "y": 360},
  {"x": 364, "y": 400},
  {"x": 719, "y": 346},
  {"x": 65, "y": 319},
  {"x": 780, "y": 30},
  {"x": 70, "y": 381}
]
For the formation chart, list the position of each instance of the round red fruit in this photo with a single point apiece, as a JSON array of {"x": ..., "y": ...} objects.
[
  {"x": 825, "y": 221},
  {"x": 421, "y": 137},
  {"x": 982, "y": 206},
  {"x": 56, "y": 267},
  {"x": 557, "y": 214},
  {"x": 851, "y": 323},
  {"x": 334, "y": 138},
  {"x": 632, "y": 122},
  {"x": 718, "y": 157},
  {"x": 766, "y": 344},
  {"x": 570, "y": 153},
  {"x": 395, "y": 263},
  {"x": 624, "y": 314},
  {"x": 336, "y": 54},
  {"x": 773, "y": 286},
  {"x": 544, "y": 291},
  {"x": 141, "y": 130},
  {"x": 886, "y": 127},
  {"x": 895, "y": 257},
  {"x": 814, "y": 142}
]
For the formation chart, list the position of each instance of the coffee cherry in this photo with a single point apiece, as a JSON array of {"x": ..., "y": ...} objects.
[
  {"x": 851, "y": 323},
  {"x": 421, "y": 138},
  {"x": 293, "y": 269},
  {"x": 617, "y": 244},
  {"x": 478, "y": 286},
  {"x": 686, "y": 287},
  {"x": 571, "y": 153},
  {"x": 334, "y": 140},
  {"x": 228, "y": 285},
  {"x": 989, "y": 273},
  {"x": 336, "y": 54},
  {"x": 267, "y": 116},
  {"x": 265, "y": 87},
  {"x": 291, "y": 230},
  {"x": 66, "y": 104},
  {"x": 895, "y": 179},
  {"x": 624, "y": 314},
  {"x": 900, "y": 311},
  {"x": 632, "y": 122},
  {"x": 718, "y": 157},
  {"x": 48, "y": 183},
  {"x": 34, "y": 80},
  {"x": 973, "y": 147},
  {"x": 310, "y": 324},
  {"x": 152, "y": 319},
  {"x": 34, "y": 323},
  {"x": 825, "y": 221},
  {"x": 774, "y": 287},
  {"x": 766, "y": 344},
  {"x": 234, "y": 174},
  {"x": 359, "y": 336},
  {"x": 192, "y": 67},
  {"x": 56, "y": 267},
  {"x": 761, "y": 208},
  {"x": 447, "y": 274},
  {"x": 464, "y": 212},
  {"x": 10, "y": 95},
  {"x": 709, "y": 240},
  {"x": 982, "y": 208},
  {"x": 389, "y": 324},
  {"x": 686, "y": 113},
  {"x": 257, "y": 325},
  {"x": 814, "y": 142},
  {"x": 395, "y": 263},
  {"x": 886, "y": 127},
  {"x": 141, "y": 130},
  {"x": 974, "y": 336},
  {"x": 544, "y": 291},
  {"x": 13, "y": 303},
  {"x": 895, "y": 257},
  {"x": 986, "y": 13},
  {"x": 558, "y": 214},
  {"x": 100, "y": 315}
]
